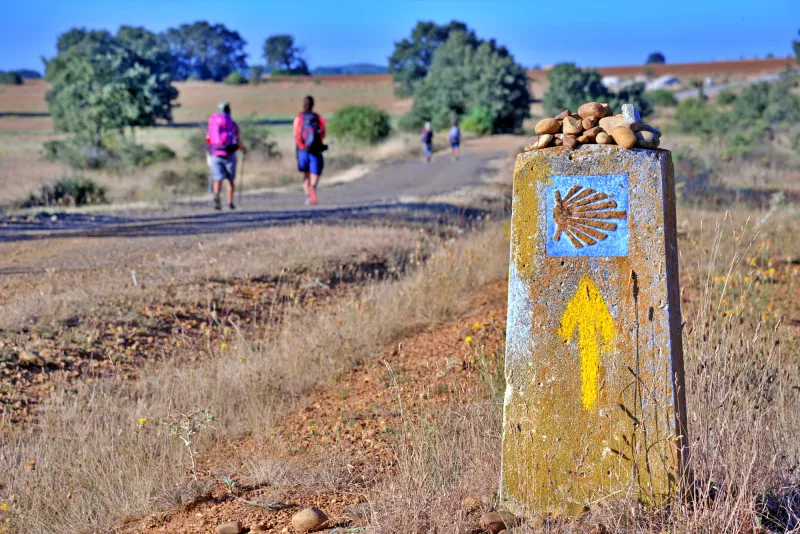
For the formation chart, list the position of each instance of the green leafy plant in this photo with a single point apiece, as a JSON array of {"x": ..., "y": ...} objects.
[
  {"x": 71, "y": 191},
  {"x": 363, "y": 123},
  {"x": 10, "y": 78},
  {"x": 467, "y": 73},
  {"x": 662, "y": 98},
  {"x": 235, "y": 78},
  {"x": 478, "y": 120}
]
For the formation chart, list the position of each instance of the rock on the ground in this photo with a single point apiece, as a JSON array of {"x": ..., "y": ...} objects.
[
  {"x": 565, "y": 113},
  {"x": 308, "y": 519},
  {"x": 624, "y": 136},
  {"x": 471, "y": 504},
  {"x": 592, "y": 132},
  {"x": 234, "y": 527},
  {"x": 547, "y": 126},
  {"x": 258, "y": 527},
  {"x": 630, "y": 114},
  {"x": 572, "y": 126},
  {"x": 496, "y": 522},
  {"x": 30, "y": 358}
]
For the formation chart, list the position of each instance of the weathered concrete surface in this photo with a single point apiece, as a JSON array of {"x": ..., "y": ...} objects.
[{"x": 594, "y": 351}]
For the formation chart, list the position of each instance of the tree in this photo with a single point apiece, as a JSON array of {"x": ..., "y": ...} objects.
[
  {"x": 205, "y": 51},
  {"x": 796, "y": 46},
  {"x": 569, "y": 87},
  {"x": 656, "y": 57},
  {"x": 467, "y": 74},
  {"x": 411, "y": 59},
  {"x": 284, "y": 56},
  {"x": 98, "y": 85},
  {"x": 10, "y": 78},
  {"x": 256, "y": 73}
]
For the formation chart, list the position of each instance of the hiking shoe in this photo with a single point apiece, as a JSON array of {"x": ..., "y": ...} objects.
[
  {"x": 217, "y": 203},
  {"x": 231, "y": 206},
  {"x": 312, "y": 197}
]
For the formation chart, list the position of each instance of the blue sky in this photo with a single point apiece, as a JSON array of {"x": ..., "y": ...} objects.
[{"x": 538, "y": 32}]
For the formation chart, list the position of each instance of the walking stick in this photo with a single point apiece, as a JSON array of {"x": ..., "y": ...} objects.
[{"x": 241, "y": 177}]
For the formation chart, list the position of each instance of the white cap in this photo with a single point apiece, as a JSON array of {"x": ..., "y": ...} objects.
[{"x": 427, "y": 126}]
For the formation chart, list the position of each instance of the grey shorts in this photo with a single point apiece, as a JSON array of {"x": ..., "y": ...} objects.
[{"x": 223, "y": 168}]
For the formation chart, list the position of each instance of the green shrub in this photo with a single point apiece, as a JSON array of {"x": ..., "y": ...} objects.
[
  {"x": 663, "y": 98},
  {"x": 726, "y": 97},
  {"x": 696, "y": 117},
  {"x": 409, "y": 122},
  {"x": 10, "y": 78},
  {"x": 113, "y": 153},
  {"x": 478, "y": 120},
  {"x": 190, "y": 180},
  {"x": 67, "y": 192},
  {"x": 235, "y": 78},
  {"x": 360, "y": 123}
]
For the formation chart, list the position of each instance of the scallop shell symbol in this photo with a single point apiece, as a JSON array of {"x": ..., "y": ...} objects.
[{"x": 582, "y": 216}]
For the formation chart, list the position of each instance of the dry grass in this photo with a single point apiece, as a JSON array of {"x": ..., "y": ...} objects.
[
  {"x": 70, "y": 276},
  {"x": 95, "y": 462},
  {"x": 743, "y": 387}
]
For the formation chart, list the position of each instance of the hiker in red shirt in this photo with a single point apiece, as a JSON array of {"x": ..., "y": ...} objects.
[
  {"x": 223, "y": 141},
  {"x": 309, "y": 134}
]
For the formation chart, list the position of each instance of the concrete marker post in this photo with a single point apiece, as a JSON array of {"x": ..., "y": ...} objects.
[{"x": 594, "y": 403}]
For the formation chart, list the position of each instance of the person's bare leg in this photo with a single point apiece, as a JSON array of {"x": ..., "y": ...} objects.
[
  {"x": 306, "y": 180},
  {"x": 313, "y": 179},
  {"x": 215, "y": 187},
  {"x": 231, "y": 189}
]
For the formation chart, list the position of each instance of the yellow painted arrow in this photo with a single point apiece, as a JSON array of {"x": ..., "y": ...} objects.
[{"x": 587, "y": 312}]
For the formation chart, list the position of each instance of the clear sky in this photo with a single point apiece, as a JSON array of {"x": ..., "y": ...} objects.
[{"x": 538, "y": 32}]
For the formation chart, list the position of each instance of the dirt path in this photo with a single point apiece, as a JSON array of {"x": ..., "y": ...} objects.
[{"x": 383, "y": 194}]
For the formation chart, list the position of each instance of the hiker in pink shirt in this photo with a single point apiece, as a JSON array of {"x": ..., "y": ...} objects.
[{"x": 223, "y": 141}]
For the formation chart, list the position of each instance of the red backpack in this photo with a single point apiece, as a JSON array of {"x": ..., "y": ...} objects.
[
  {"x": 222, "y": 134},
  {"x": 309, "y": 137}
]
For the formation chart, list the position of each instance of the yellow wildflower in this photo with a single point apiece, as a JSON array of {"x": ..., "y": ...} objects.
[
  {"x": 771, "y": 271},
  {"x": 4, "y": 506},
  {"x": 476, "y": 326},
  {"x": 223, "y": 346},
  {"x": 468, "y": 339},
  {"x": 143, "y": 420}
]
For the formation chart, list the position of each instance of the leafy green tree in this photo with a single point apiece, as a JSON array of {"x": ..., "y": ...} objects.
[
  {"x": 570, "y": 87},
  {"x": 204, "y": 51},
  {"x": 284, "y": 56},
  {"x": 99, "y": 85},
  {"x": 656, "y": 57},
  {"x": 796, "y": 46},
  {"x": 150, "y": 47},
  {"x": 467, "y": 74},
  {"x": 10, "y": 78},
  {"x": 411, "y": 59}
]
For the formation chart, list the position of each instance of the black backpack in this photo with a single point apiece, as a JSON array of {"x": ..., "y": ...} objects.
[{"x": 310, "y": 136}]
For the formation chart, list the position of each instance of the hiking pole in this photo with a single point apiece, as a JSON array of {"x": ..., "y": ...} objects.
[{"x": 241, "y": 177}]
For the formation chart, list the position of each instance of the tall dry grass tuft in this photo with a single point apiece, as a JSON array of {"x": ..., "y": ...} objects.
[
  {"x": 743, "y": 390},
  {"x": 100, "y": 453}
]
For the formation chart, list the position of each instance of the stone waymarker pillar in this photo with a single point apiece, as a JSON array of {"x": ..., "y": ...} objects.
[{"x": 594, "y": 404}]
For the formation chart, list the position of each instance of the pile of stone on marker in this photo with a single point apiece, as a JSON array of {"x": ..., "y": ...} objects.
[{"x": 594, "y": 123}]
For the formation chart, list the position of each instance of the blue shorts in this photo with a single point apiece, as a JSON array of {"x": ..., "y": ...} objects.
[
  {"x": 310, "y": 163},
  {"x": 223, "y": 168},
  {"x": 454, "y": 144}
]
